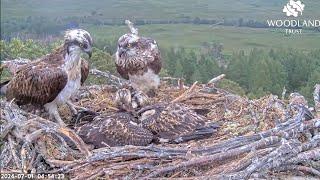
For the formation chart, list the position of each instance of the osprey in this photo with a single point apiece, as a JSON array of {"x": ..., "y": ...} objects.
[
  {"x": 130, "y": 99},
  {"x": 175, "y": 123},
  {"x": 52, "y": 79},
  {"x": 117, "y": 129},
  {"x": 171, "y": 123},
  {"x": 14, "y": 65},
  {"x": 138, "y": 59},
  {"x": 297, "y": 103}
]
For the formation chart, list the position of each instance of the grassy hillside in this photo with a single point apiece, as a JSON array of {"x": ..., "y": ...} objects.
[
  {"x": 188, "y": 24},
  {"x": 233, "y": 38},
  {"x": 153, "y": 9},
  {"x": 187, "y": 35}
]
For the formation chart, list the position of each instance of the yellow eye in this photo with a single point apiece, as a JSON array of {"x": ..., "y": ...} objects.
[
  {"x": 81, "y": 45},
  {"x": 129, "y": 45}
]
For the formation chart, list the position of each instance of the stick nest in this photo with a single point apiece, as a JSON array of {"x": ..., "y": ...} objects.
[{"x": 258, "y": 138}]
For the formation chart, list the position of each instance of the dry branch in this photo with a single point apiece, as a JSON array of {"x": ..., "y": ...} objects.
[
  {"x": 186, "y": 94},
  {"x": 257, "y": 138},
  {"x": 111, "y": 79},
  {"x": 216, "y": 79}
]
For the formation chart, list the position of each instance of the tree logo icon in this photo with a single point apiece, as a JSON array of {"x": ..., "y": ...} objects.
[{"x": 293, "y": 8}]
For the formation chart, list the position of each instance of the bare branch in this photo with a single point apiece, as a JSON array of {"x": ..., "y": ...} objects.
[
  {"x": 216, "y": 79},
  {"x": 186, "y": 93},
  {"x": 111, "y": 79}
]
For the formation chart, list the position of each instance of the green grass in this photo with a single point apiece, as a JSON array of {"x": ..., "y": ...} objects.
[
  {"x": 233, "y": 38},
  {"x": 154, "y": 9},
  {"x": 187, "y": 35}
]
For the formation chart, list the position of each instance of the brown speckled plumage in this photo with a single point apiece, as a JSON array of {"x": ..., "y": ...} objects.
[
  {"x": 129, "y": 99},
  {"x": 114, "y": 130},
  {"x": 138, "y": 59},
  {"x": 145, "y": 57},
  {"x": 40, "y": 81},
  {"x": 14, "y": 66},
  {"x": 175, "y": 122},
  {"x": 51, "y": 80}
]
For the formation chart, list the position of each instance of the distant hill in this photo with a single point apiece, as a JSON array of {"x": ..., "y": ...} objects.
[
  {"x": 153, "y": 9},
  {"x": 186, "y": 23}
]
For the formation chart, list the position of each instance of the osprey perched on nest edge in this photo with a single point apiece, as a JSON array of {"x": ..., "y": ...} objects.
[{"x": 52, "y": 79}]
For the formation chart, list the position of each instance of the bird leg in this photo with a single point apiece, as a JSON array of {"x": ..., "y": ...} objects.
[
  {"x": 53, "y": 112},
  {"x": 74, "y": 108},
  {"x": 58, "y": 118}
]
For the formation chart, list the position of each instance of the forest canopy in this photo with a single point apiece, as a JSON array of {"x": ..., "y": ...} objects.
[{"x": 255, "y": 73}]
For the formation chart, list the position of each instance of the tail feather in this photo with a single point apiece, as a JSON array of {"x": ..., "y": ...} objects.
[
  {"x": 3, "y": 87},
  {"x": 200, "y": 133}
]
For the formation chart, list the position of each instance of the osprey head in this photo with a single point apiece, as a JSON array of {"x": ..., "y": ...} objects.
[
  {"x": 78, "y": 39},
  {"x": 123, "y": 99},
  {"x": 297, "y": 99},
  {"x": 128, "y": 45}
]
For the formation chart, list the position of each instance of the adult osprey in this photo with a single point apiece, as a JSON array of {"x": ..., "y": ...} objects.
[
  {"x": 138, "y": 59},
  {"x": 14, "y": 65},
  {"x": 52, "y": 79}
]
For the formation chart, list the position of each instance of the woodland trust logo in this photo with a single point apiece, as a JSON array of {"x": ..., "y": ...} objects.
[{"x": 292, "y": 10}]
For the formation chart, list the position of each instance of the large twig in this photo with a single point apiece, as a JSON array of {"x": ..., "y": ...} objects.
[
  {"x": 186, "y": 94},
  {"x": 111, "y": 79},
  {"x": 216, "y": 79},
  {"x": 298, "y": 168}
]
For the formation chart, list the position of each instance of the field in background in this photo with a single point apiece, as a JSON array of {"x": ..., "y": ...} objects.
[
  {"x": 193, "y": 24},
  {"x": 154, "y": 9},
  {"x": 233, "y": 38},
  {"x": 172, "y": 35}
]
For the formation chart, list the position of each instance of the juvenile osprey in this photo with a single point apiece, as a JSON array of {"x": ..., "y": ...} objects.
[
  {"x": 297, "y": 99},
  {"x": 172, "y": 123},
  {"x": 175, "y": 123},
  {"x": 138, "y": 59},
  {"x": 129, "y": 99},
  {"x": 298, "y": 103},
  {"x": 118, "y": 129},
  {"x": 52, "y": 79}
]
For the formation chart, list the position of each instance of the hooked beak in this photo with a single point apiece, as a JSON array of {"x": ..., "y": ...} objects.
[{"x": 89, "y": 52}]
